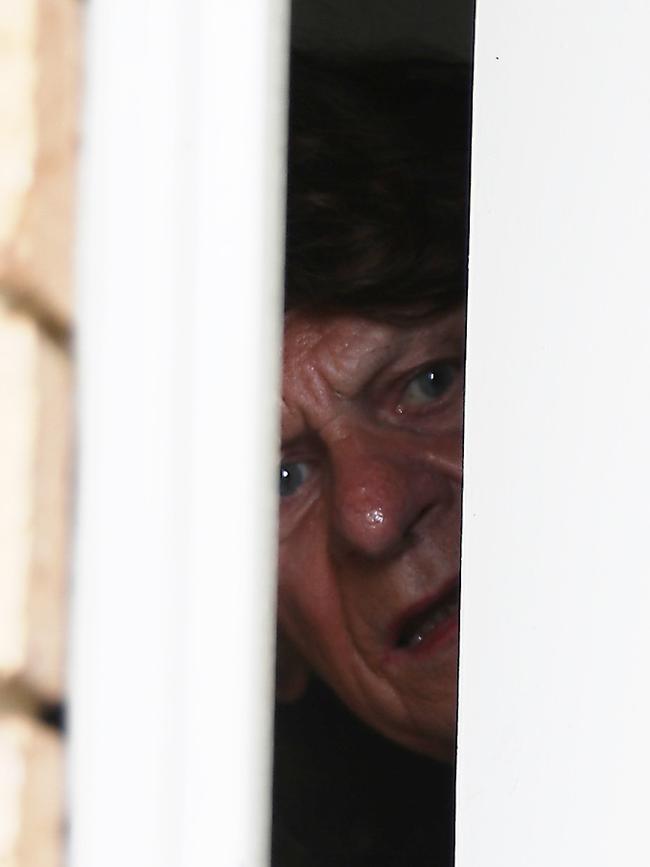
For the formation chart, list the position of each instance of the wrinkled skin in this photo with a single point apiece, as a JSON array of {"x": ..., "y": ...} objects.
[{"x": 370, "y": 519}]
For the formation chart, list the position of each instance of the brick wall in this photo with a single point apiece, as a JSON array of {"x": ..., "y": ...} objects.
[{"x": 39, "y": 75}]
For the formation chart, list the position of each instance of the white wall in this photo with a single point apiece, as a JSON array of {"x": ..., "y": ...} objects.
[{"x": 554, "y": 755}]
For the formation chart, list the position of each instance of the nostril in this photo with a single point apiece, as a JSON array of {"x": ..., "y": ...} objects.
[{"x": 411, "y": 530}]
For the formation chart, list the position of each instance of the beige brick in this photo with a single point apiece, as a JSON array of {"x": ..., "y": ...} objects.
[
  {"x": 34, "y": 478},
  {"x": 39, "y": 78},
  {"x": 31, "y": 771}
]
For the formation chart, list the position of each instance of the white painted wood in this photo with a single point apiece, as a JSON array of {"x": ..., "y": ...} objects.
[
  {"x": 180, "y": 271},
  {"x": 554, "y": 754}
]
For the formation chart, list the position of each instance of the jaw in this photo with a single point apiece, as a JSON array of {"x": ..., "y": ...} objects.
[
  {"x": 411, "y": 701},
  {"x": 365, "y": 647}
]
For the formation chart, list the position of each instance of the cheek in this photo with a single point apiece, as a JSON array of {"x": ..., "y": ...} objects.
[
  {"x": 306, "y": 601},
  {"x": 304, "y": 572},
  {"x": 309, "y": 608},
  {"x": 300, "y": 584}
]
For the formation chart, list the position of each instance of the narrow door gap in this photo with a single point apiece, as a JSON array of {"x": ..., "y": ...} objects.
[{"x": 371, "y": 466}]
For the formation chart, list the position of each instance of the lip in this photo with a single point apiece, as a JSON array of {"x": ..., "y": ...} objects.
[{"x": 440, "y": 635}]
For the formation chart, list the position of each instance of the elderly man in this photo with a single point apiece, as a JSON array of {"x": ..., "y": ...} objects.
[{"x": 372, "y": 404}]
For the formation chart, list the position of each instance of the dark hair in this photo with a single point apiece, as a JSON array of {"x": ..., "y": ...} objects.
[{"x": 377, "y": 186}]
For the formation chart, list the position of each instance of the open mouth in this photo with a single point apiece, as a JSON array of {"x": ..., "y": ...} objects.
[{"x": 430, "y": 621}]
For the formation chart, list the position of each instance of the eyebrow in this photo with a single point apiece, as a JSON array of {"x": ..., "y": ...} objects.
[
  {"x": 368, "y": 368},
  {"x": 293, "y": 420},
  {"x": 293, "y": 423},
  {"x": 364, "y": 370}
]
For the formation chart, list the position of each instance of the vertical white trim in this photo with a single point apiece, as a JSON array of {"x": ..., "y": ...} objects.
[
  {"x": 180, "y": 270},
  {"x": 554, "y": 755},
  {"x": 236, "y": 331}
]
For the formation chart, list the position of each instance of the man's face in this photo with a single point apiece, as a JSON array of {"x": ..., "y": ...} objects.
[{"x": 370, "y": 517}]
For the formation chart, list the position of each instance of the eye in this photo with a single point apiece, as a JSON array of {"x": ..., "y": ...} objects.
[
  {"x": 430, "y": 384},
  {"x": 292, "y": 477}
]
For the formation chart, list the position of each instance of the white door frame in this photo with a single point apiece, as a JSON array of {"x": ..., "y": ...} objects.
[{"x": 180, "y": 313}]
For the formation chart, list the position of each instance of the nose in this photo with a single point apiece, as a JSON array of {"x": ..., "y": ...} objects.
[{"x": 385, "y": 485}]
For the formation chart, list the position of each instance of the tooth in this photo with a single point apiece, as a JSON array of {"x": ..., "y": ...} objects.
[{"x": 430, "y": 624}]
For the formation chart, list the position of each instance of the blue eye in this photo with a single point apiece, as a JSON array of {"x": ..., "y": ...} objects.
[
  {"x": 292, "y": 477},
  {"x": 430, "y": 384}
]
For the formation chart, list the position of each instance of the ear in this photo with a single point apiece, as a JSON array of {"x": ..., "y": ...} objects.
[{"x": 291, "y": 670}]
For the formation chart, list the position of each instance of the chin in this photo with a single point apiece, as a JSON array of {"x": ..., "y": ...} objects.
[{"x": 437, "y": 745}]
